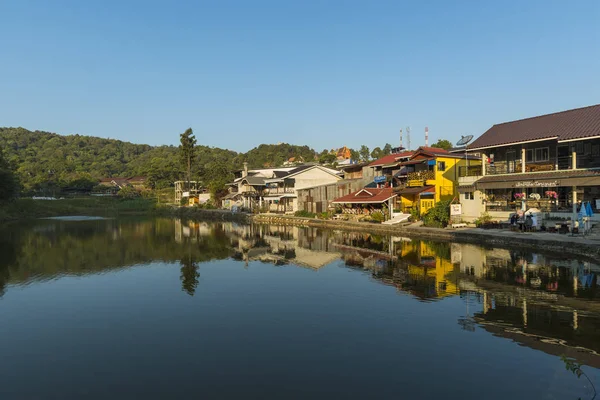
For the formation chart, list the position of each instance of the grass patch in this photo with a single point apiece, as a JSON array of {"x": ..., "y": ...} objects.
[{"x": 96, "y": 206}]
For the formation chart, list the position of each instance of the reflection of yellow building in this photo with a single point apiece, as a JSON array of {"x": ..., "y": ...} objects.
[{"x": 425, "y": 267}]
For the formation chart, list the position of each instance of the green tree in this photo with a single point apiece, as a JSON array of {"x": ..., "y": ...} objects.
[
  {"x": 364, "y": 152},
  {"x": 188, "y": 150},
  {"x": 327, "y": 158},
  {"x": 354, "y": 155},
  {"x": 9, "y": 186},
  {"x": 128, "y": 192},
  {"x": 376, "y": 153},
  {"x": 442, "y": 144},
  {"x": 387, "y": 149},
  {"x": 215, "y": 175}
]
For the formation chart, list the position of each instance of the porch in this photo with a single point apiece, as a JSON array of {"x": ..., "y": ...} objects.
[{"x": 543, "y": 156}]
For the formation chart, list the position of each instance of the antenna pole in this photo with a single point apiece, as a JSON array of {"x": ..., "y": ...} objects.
[
  {"x": 400, "y": 139},
  {"x": 408, "y": 136},
  {"x": 426, "y": 137}
]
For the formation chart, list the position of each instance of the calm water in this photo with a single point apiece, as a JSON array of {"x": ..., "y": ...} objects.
[{"x": 172, "y": 309}]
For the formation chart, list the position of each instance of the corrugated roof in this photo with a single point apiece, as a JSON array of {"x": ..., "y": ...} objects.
[
  {"x": 254, "y": 180},
  {"x": 367, "y": 196},
  {"x": 565, "y": 125}
]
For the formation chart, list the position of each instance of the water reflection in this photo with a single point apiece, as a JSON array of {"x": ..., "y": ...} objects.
[{"x": 544, "y": 302}]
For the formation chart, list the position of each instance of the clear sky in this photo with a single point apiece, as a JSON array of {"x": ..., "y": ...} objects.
[{"x": 321, "y": 73}]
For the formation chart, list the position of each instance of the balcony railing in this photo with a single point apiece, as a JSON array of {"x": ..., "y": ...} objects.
[
  {"x": 419, "y": 178},
  {"x": 471, "y": 170},
  {"x": 279, "y": 190},
  {"x": 515, "y": 167}
]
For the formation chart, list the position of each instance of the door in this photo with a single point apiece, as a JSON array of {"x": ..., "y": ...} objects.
[{"x": 511, "y": 158}]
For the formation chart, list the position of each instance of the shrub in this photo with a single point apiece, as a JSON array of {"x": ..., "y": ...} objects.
[
  {"x": 439, "y": 215},
  {"x": 128, "y": 192},
  {"x": 324, "y": 215},
  {"x": 305, "y": 214},
  {"x": 414, "y": 214},
  {"x": 378, "y": 216},
  {"x": 485, "y": 218}
]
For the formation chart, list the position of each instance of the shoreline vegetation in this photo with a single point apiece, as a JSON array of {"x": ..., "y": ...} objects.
[{"x": 22, "y": 209}]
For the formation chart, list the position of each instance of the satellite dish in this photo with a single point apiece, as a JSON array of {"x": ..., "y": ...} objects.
[{"x": 464, "y": 140}]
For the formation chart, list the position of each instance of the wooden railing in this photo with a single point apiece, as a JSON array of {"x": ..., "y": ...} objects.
[
  {"x": 279, "y": 190},
  {"x": 503, "y": 167},
  {"x": 421, "y": 175}
]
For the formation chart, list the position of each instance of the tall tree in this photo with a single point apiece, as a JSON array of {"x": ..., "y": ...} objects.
[
  {"x": 364, "y": 152},
  {"x": 387, "y": 149},
  {"x": 188, "y": 152},
  {"x": 354, "y": 155},
  {"x": 327, "y": 158},
  {"x": 9, "y": 186},
  {"x": 377, "y": 153},
  {"x": 442, "y": 144}
]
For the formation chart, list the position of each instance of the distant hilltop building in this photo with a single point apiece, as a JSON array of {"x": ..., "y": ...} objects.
[
  {"x": 293, "y": 161},
  {"x": 343, "y": 153}
]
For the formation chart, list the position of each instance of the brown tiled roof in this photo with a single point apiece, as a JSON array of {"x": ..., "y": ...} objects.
[
  {"x": 367, "y": 195},
  {"x": 572, "y": 124}
]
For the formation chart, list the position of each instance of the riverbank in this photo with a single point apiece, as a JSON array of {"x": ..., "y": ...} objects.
[
  {"x": 552, "y": 242},
  {"x": 23, "y": 209},
  {"x": 93, "y": 206},
  {"x": 202, "y": 214}
]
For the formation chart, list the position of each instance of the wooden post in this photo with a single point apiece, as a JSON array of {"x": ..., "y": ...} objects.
[{"x": 523, "y": 156}]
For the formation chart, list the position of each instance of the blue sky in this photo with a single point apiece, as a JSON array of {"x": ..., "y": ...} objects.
[{"x": 321, "y": 73}]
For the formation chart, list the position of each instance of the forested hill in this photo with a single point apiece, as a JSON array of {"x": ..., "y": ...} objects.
[{"x": 43, "y": 159}]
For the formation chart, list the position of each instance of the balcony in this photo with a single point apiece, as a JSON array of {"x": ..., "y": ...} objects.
[
  {"x": 471, "y": 170},
  {"x": 419, "y": 178},
  {"x": 515, "y": 167},
  {"x": 279, "y": 190}
]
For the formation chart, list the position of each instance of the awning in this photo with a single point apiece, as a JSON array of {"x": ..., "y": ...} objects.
[
  {"x": 466, "y": 188},
  {"x": 413, "y": 162},
  {"x": 416, "y": 190}
]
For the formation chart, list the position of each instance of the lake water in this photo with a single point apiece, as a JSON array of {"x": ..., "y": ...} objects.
[{"x": 164, "y": 308}]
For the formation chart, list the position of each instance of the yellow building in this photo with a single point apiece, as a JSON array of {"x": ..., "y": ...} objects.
[{"x": 429, "y": 176}]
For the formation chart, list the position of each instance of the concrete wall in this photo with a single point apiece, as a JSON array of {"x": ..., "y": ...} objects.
[{"x": 472, "y": 209}]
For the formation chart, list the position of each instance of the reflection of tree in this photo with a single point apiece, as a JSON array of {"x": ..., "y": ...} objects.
[
  {"x": 189, "y": 275},
  {"x": 44, "y": 249},
  {"x": 8, "y": 256}
]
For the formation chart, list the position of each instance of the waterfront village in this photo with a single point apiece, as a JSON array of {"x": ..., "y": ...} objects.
[{"x": 546, "y": 166}]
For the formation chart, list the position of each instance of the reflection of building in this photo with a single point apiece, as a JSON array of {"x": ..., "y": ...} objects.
[{"x": 543, "y": 274}]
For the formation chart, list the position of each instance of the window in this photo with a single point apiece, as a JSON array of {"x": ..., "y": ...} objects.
[
  {"x": 529, "y": 155},
  {"x": 542, "y": 154},
  {"x": 469, "y": 196},
  {"x": 441, "y": 165}
]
